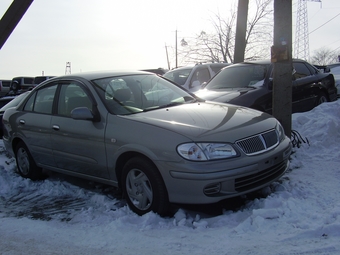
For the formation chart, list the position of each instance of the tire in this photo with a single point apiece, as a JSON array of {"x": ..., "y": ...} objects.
[
  {"x": 322, "y": 98},
  {"x": 143, "y": 187},
  {"x": 27, "y": 168},
  {"x": 15, "y": 87}
]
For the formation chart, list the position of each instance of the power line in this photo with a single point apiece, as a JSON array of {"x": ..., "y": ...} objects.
[{"x": 324, "y": 23}]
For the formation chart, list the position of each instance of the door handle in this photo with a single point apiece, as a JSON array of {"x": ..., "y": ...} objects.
[
  {"x": 22, "y": 122},
  {"x": 56, "y": 127}
]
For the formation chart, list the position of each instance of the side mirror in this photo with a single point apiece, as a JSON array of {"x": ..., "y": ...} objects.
[
  {"x": 82, "y": 113},
  {"x": 327, "y": 70}
]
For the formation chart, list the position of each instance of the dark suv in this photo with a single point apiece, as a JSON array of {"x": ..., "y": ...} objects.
[{"x": 20, "y": 84}]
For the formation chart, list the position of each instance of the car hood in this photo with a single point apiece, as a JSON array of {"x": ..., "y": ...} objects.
[
  {"x": 208, "y": 121},
  {"x": 222, "y": 95}
]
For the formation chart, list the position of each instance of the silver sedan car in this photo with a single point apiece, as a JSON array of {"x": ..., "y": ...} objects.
[{"x": 147, "y": 136}]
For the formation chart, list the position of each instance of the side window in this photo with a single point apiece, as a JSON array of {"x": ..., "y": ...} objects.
[
  {"x": 72, "y": 96},
  {"x": 200, "y": 76},
  {"x": 29, "y": 104},
  {"x": 301, "y": 70},
  {"x": 42, "y": 100}
]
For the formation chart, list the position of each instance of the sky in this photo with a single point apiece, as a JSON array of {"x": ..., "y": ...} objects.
[
  {"x": 299, "y": 214},
  {"x": 131, "y": 34}
]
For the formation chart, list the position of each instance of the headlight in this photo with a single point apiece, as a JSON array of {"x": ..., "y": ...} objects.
[
  {"x": 206, "y": 151},
  {"x": 280, "y": 131}
]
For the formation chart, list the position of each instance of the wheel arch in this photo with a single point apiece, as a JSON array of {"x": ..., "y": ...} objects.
[
  {"x": 15, "y": 143},
  {"x": 123, "y": 158},
  {"x": 324, "y": 90}
]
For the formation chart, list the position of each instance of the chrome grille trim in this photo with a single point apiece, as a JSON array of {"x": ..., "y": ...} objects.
[{"x": 259, "y": 143}]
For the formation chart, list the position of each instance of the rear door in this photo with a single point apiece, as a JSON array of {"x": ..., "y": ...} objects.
[
  {"x": 304, "y": 84},
  {"x": 34, "y": 123}
]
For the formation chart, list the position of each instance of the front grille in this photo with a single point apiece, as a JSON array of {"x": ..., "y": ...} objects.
[
  {"x": 259, "y": 143},
  {"x": 255, "y": 180}
]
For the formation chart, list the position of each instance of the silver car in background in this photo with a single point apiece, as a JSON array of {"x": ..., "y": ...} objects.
[{"x": 147, "y": 136}]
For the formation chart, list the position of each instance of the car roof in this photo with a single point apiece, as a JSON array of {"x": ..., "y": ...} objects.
[
  {"x": 200, "y": 64},
  {"x": 264, "y": 62},
  {"x": 99, "y": 74}
]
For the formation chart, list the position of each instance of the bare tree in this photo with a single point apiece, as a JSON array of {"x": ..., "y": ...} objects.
[
  {"x": 325, "y": 56},
  {"x": 219, "y": 45}
]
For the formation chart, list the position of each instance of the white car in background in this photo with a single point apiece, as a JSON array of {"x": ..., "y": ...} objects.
[
  {"x": 192, "y": 77},
  {"x": 335, "y": 70}
]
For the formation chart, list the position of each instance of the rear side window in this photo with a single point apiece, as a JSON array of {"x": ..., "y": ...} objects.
[
  {"x": 179, "y": 76},
  {"x": 28, "y": 80},
  {"x": 201, "y": 75},
  {"x": 301, "y": 70},
  {"x": 42, "y": 100}
]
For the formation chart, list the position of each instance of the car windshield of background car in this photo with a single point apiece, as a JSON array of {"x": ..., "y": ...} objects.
[
  {"x": 132, "y": 94},
  {"x": 179, "y": 76},
  {"x": 238, "y": 77}
]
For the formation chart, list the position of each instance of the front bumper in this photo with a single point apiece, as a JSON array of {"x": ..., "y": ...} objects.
[{"x": 221, "y": 180}]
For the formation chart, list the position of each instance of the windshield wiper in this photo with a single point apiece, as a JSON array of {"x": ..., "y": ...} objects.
[
  {"x": 230, "y": 88},
  {"x": 161, "y": 106},
  {"x": 188, "y": 100}
]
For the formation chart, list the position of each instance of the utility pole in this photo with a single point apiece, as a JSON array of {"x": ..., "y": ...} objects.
[
  {"x": 11, "y": 18},
  {"x": 283, "y": 66},
  {"x": 167, "y": 56},
  {"x": 176, "y": 50},
  {"x": 241, "y": 28}
]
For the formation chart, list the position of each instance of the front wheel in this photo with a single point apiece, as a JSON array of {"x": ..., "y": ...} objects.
[
  {"x": 25, "y": 163},
  {"x": 143, "y": 187},
  {"x": 322, "y": 98}
]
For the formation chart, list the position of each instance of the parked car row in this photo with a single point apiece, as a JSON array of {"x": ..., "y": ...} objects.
[{"x": 155, "y": 140}]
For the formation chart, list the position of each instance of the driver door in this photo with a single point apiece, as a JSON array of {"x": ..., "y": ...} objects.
[{"x": 78, "y": 145}]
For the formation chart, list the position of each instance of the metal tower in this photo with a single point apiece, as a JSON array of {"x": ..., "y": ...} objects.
[
  {"x": 301, "y": 46},
  {"x": 68, "y": 68}
]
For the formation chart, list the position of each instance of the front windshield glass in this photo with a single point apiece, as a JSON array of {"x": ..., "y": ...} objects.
[
  {"x": 239, "y": 76},
  {"x": 139, "y": 93},
  {"x": 178, "y": 76}
]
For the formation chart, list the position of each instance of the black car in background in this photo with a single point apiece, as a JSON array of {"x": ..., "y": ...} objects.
[
  {"x": 7, "y": 102},
  {"x": 4, "y": 87},
  {"x": 250, "y": 84}
]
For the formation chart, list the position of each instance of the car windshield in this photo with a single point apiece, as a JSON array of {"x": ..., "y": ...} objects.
[
  {"x": 179, "y": 76},
  {"x": 239, "y": 76},
  {"x": 130, "y": 94}
]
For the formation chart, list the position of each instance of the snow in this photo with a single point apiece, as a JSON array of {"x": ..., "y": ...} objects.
[{"x": 299, "y": 214}]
